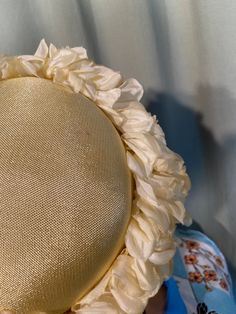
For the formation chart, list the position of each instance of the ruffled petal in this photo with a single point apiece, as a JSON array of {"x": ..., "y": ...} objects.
[
  {"x": 131, "y": 90},
  {"x": 145, "y": 147},
  {"x": 136, "y": 118},
  {"x": 42, "y": 50},
  {"x": 125, "y": 287},
  {"x": 107, "y": 79},
  {"x": 161, "y": 218},
  {"x": 164, "y": 251},
  {"x": 105, "y": 304},
  {"x": 140, "y": 240},
  {"x": 148, "y": 277}
]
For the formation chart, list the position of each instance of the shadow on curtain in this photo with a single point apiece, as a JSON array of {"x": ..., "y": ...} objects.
[{"x": 207, "y": 162}]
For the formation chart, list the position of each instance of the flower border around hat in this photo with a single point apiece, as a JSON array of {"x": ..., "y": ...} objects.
[{"x": 161, "y": 182}]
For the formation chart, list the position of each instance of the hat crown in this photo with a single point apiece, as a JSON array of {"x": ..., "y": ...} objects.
[{"x": 65, "y": 195}]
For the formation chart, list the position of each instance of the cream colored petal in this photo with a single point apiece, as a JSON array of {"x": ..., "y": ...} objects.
[
  {"x": 88, "y": 89},
  {"x": 135, "y": 165},
  {"x": 42, "y": 50},
  {"x": 139, "y": 241},
  {"x": 28, "y": 68},
  {"x": 125, "y": 287},
  {"x": 161, "y": 218},
  {"x": 145, "y": 147},
  {"x": 107, "y": 79},
  {"x": 81, "y": 52},
  {"x": 148, "y": 277},
  {"x": 108, "y": 98},
  {"x": 131, "y": 90},
  {"x": 136, "y": 119},
  {"x": 106, "y": 304},
  {"x": 145, "y": 191},
  {"x": 52, "y": 51},
  {"x": 75, "y": 82},
  {"x": 4, "y": 67},
  {"x": 162, "y": 257}
]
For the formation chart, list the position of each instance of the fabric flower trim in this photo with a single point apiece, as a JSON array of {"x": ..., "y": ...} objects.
[{"x": 161, "y": 182}]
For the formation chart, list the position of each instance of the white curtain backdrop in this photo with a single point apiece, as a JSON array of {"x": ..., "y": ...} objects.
[{"x": 183, "y": 52}]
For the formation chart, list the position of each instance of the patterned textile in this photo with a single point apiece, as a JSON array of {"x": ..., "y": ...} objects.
[{"x": 202, "y": 276}]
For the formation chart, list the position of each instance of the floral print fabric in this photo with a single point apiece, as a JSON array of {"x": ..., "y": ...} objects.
[
  {"x": 201, "y": 273},
  {"x": 203, "y": 265}
]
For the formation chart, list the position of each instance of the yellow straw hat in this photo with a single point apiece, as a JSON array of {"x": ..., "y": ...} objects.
[{"x": 89, "y": 192}]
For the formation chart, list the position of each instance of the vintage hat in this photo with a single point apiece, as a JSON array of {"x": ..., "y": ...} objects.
[{"x": 89, "y": 192}]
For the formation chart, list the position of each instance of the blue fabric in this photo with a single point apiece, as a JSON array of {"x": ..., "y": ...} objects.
[
  {"x": 201, "y": 274},
  {"x": 174, "y": 304}
]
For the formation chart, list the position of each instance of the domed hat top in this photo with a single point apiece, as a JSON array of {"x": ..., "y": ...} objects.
[{"x": 89, "y": 194}]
